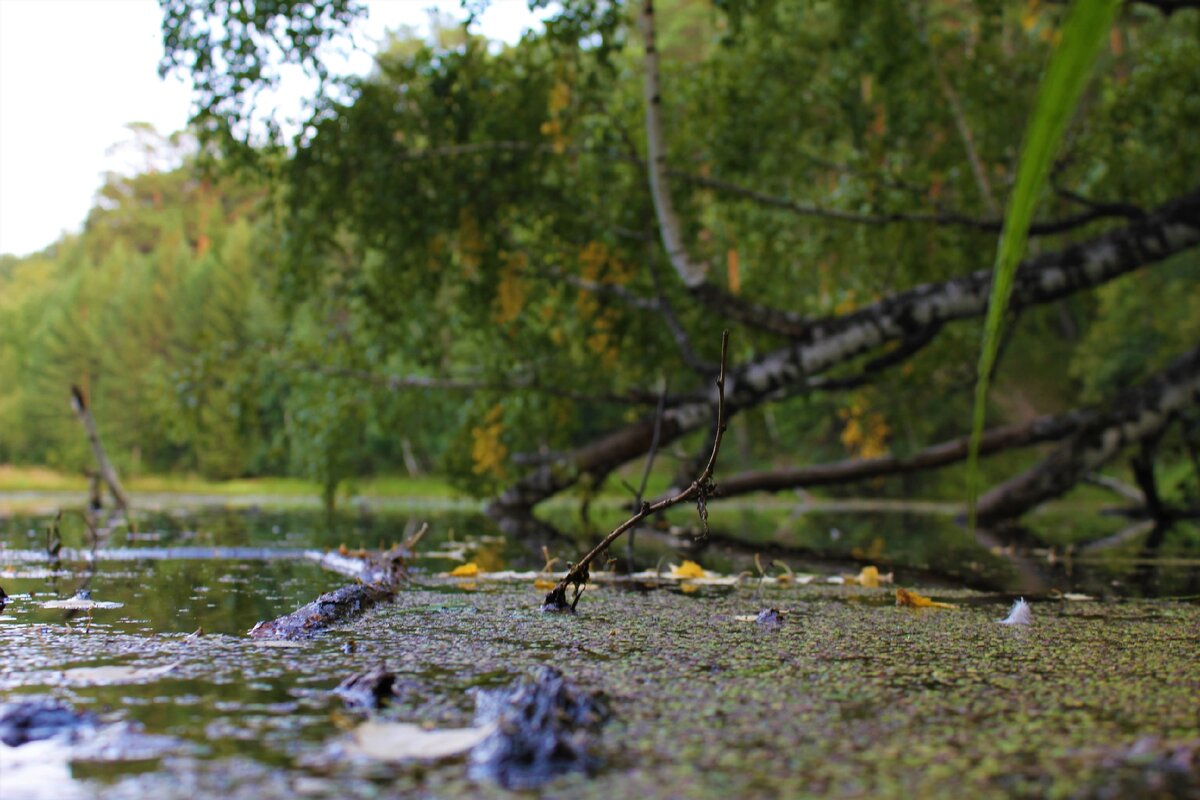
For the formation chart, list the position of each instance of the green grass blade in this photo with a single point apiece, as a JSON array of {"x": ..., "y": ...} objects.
[{"x": 1083, "y": 34}]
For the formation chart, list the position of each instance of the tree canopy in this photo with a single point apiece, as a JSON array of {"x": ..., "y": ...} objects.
[{"x": 496, "y": 258}]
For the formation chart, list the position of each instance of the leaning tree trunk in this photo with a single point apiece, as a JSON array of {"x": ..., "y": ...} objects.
[
  {"x": 1137, "y": 416},
  {"x": 1172, "y": 228},
  {"x": 108, "y": 472}
]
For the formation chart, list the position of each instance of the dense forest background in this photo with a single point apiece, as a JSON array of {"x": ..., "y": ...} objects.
[{"x": 456, "y": 267}]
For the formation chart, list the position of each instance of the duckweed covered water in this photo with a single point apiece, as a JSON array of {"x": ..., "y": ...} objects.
[{"x": 850, "y": 696}]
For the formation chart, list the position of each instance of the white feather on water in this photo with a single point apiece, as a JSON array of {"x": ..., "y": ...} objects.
[{"x": 1019, "y": 614}]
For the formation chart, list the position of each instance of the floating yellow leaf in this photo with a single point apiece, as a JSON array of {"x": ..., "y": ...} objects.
[
  {"x": 544, "y": 584},
  {"x": 468, "y": 570},
  {"x": 689, "y": 588},
  {"x": 869, "y": 577},
  {"x": 688, "y": 569},
  {"x": 913, "y": 600}
]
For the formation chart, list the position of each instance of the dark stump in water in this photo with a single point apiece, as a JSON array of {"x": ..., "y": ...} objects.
[
  {"x": 544, "y": 727},
  {"x": 32, "y": 720}
]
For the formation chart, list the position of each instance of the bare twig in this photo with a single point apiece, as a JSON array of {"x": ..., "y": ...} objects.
[{"x": 699, "y": 490}]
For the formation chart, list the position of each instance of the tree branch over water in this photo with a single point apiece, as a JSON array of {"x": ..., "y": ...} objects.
[{"x": 1172, "y": 228}]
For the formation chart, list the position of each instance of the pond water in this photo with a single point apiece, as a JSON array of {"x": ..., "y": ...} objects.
[{"x": 852, "y": 695}]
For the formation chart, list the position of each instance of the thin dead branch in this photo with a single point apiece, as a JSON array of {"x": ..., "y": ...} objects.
[
  {"x": 107, "y": 472},
  {"x": 699, "y": 490}
]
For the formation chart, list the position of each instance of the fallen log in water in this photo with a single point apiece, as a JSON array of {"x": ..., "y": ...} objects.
[
  {"x": 379, "y": 576},
  {"x": 331, "y": 608}
]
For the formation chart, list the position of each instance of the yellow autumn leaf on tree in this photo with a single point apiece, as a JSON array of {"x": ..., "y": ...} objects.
[
  {"x": 468, "y": 570},
  {"x": 488, "y": 452},
  {"x": 913, "y": 600},
  {"x": 688, "y": 569}
]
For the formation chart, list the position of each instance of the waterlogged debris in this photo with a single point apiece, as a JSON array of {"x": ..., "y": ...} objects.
[
  {"x": 402, "y": 741},
  {"x": 468, "y": 570},
  {"x": 1019, "y": 614},
  {"x": 767, "y": 618},
  {"x": 1077, "y": 597},
  {"x": 39, "y": 753},
  {"x": 372, "y": 689},
  {"x": 329, "y": 609},
  {"x": 32, "y": 720},
  {"x": 910, "y": 599},
  {"x": 104, "y": 676},
  {"x": 81, "y": 601},
  {"x": 539, "y": 729}
]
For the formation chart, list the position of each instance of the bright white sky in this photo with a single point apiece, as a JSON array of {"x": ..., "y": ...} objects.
[{"x": 74, "y": 73}]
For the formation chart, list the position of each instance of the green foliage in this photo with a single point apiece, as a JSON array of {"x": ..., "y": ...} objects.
[{"x": 450, "y": 215}]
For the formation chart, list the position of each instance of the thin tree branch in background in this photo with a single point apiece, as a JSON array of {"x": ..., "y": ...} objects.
[
  {"x": 640, "y": 495},
  {"x": 397, "y": 383},
  {"x": 1117, "y": 209},
  {"x": 960, "y": 116},
  {"x": 107, "y": 472},
  {"x": 1134, "y": 417},
  {"x": 943, "y": 218},
  {"x": 1117, "y": 487},
  {"x": 940, "y": 217},
  {"x": 699, "y": 490},
  {"x": 1047, "y": 428},
  {"x": 683, "y": 342}
]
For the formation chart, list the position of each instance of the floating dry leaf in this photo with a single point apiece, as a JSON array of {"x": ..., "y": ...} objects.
[
  {"x": 468, "y": 570},
  {"x": 913, "y": 600},
  {"x": 688, "y": 569},
  {"x": 544, "y": 584},
  {"x": 113, "y": 674},
  {"x": 402, "y": 741}
]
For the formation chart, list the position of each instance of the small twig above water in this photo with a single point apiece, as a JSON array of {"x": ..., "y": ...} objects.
[{"x": 699, "y": 490}]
